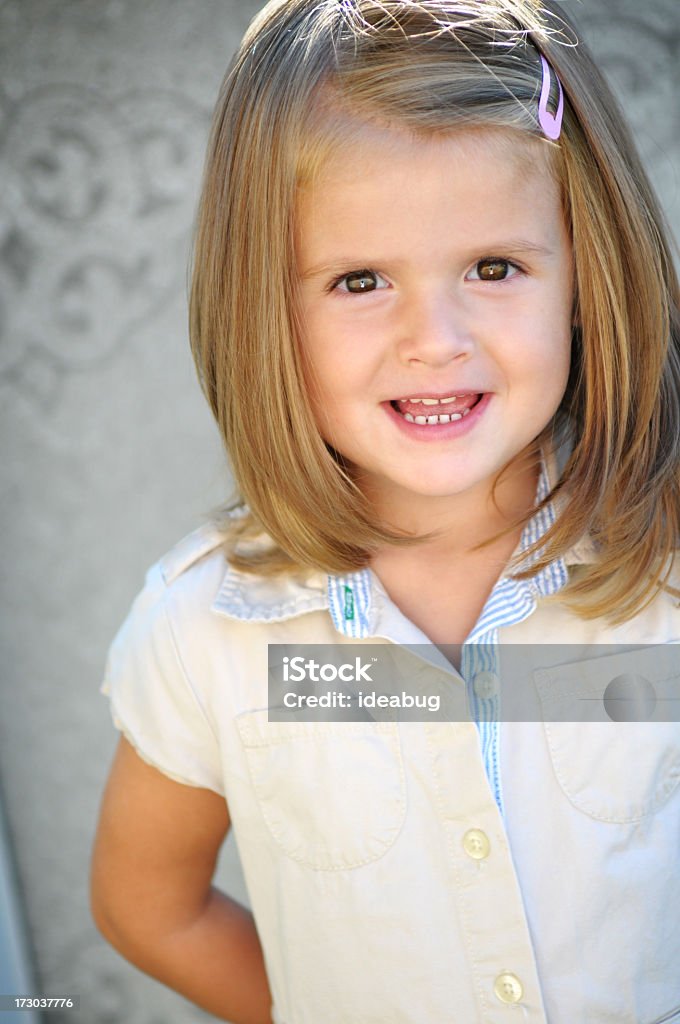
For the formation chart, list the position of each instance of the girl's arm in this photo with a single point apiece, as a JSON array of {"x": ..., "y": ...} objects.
[{"x": 154, "y": 858}]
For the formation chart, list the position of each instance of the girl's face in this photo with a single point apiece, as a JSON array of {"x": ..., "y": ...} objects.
[{"x": 437, "y": 290}]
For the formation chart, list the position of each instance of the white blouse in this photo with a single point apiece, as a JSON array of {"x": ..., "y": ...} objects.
[{"x": 389, "y": 883}]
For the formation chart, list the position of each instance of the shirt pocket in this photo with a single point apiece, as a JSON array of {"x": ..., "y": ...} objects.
[
  {"x": 332, "y": 794},
  {"x": 615, "y": 770}
]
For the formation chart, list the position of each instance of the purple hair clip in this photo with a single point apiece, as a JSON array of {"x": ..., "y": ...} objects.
[{"x": 551, "y": 124}]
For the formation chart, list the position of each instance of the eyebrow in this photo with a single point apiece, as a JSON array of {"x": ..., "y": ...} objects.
[
  {"x": 523, "y": 245},
  {"x": 500, "y": 247},
  {"x": 340, "y": 264}
]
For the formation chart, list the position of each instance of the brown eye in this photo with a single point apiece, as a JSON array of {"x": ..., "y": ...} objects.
[
  {"x": 361, "y": 281},
  {"x": 492, "y": 270}
]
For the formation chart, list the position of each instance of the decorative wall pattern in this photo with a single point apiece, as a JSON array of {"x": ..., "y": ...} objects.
[
  {"x": 109, "y": 451},
  {"x": 97, "y": 202}
]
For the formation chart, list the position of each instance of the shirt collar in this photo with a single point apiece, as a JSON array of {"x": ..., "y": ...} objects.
[{"x": 352, "y": 598}]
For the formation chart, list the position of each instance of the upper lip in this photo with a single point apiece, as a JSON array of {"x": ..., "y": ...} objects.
[{"x": 404, "y": 396}]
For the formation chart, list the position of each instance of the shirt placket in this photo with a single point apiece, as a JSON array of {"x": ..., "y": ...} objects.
[{"x": 488, "y": 901}]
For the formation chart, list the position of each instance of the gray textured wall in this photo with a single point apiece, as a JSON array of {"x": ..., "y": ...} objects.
[{"x": 110, "y": 454}]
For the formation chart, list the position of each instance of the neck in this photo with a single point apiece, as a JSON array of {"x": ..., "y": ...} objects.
[{"x": 442, "y": 583}]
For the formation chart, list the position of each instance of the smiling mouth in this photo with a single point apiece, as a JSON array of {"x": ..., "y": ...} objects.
[{"x": 434, "y": 411}]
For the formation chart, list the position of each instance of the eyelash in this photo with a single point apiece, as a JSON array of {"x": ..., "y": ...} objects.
[{"x": 334, "y": 285}]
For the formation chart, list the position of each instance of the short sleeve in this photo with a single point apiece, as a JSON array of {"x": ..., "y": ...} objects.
[{"x": 153, "y": 703}]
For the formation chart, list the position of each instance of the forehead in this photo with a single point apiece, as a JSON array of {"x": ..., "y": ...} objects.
[
  {"x": 336, "y": 133},
  {"x": 383, "y": 179}
]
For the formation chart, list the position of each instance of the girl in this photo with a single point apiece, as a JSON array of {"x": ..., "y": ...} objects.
[{"x": 435, "y": 317}]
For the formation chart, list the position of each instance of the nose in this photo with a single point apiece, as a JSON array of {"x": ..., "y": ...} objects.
[{"x": 435, "y": 330}]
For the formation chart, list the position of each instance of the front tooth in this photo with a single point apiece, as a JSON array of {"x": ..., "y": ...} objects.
[
  {"x": 444, "y": 419},
  {"x": 447, "y": 401},
  {"x": 458, "y": 415},
  {"x": 430, "y": 401},
  {"x": 414, "y": 400},
  {"x": 433, "y": 419},
  {"x": 421, "y": 419},
  {"x": 409, "y": 417}
]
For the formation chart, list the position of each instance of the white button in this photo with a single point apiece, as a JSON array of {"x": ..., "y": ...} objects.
[
  {"x": 508, "y": 988},
  {"x": 485, "y": 684},
  {"x": 476, "y": 844}
]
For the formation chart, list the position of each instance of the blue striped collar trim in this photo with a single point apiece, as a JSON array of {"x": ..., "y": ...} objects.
[
  {"x": 512, "y": 600},
  {"x": 554, "y": 576}
]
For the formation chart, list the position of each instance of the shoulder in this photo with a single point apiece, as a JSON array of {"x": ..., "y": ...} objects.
[
  {"x": 156, "y": 675},
  {"x": 658, "y": 621},
  {"x": 206, "y": 543},
  {"x": 184, "y": 580},
  {"x": 193, "y": 569},
  {"x": 199, "y": 630},
  {"x": 187, "y": 577},
  {"x": 195, "y": 577}
]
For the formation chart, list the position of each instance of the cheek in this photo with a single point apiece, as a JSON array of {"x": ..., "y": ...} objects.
[
  {"x": 541, "y": 366},
  {"x": 562, "y": 348},
  {"x": 339, "y": 354},
  {"x": 554, "y": 362},
  {"x": 314, "y": 346},
  {"x": 551, "y": 334},
  {"x": 324, "y": 365},
  {"x": 557, "y": 368},
  {"x": 321, "y": 371}
]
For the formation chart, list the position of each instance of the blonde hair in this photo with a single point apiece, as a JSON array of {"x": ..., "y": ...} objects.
[{"x": 434, "y": 66}]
